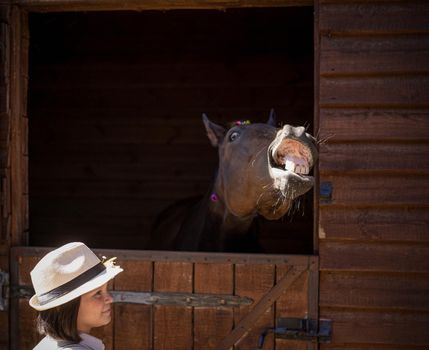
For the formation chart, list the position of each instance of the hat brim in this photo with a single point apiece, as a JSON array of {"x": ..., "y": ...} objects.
[{"x": 102, "y": 278}]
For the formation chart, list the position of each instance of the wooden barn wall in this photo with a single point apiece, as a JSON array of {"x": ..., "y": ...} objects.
[
  {"x": 115, "y": 103},
  {"x": 13, "y": 143},
  {"x": 374, "y": 111}
]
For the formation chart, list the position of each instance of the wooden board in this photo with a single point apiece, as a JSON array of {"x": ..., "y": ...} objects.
[
  {"x": 387, "y": 158},
  {"x": 378, "y": 190},
  {"x": 375, "y": 17},
  {"x": 377, "y": 124},
  {"x": 365, "y": 328},
  {"x": 133, "y": 319},
  {"x": 374, "y": 290},
  {"x": 375, "y": 92},
  {"x": 368, "y": 256},
  {"x": 294, "y": 303},
  {"x": 73, "y": 5},
  {"x": 212, "y": 325},
  {"x": 172, "y": 325},
  {"x": 353, "y": 55},
  {"x": 254, "y": 281},
  {"x": 392, "y": 224}
]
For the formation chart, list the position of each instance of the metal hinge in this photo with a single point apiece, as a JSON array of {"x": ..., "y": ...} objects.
[
  {"x": 157, "y": 298},
  {"x": 180, "y": 299},
  {"x": 300, "y": 329},
  {"x": 4, "y": 290}
]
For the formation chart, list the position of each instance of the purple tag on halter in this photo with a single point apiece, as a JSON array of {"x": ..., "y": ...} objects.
[{"x": 214, "y": 197}]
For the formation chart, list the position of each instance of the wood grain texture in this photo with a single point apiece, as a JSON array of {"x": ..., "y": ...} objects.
[
  {"x": 399, "y": 224},
  {"x": 370, "y": 346},
  {"x": 374, "y": 55},
  {"x": 363, "y": 327},
  {"x": 378, "y": 190},
  {"x": 131, "y": 320},
  {"x": 365, "y": 256},
  {"x": 388, "y": 91},
  {"x": 212, "y": 325},
  {"x": 103, "y": 5},
  {"x": 16, "y": 157},
  {"x": 292, "y": 303},
  {"x": 372, "y": 290},
  {"x": 173, "y": 326},
  {"x": 374, "y": 125},
  {"x": 387, "y": 158},
  {"x": 254, "y": 281},
  {"x": 375, "y": 17}
]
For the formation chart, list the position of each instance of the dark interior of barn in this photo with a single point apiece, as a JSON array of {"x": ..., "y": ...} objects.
[{"x": 114, "y": 106}]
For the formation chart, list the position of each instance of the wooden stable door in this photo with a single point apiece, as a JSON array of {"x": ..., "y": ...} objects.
[{"x": 200, "y": 301}]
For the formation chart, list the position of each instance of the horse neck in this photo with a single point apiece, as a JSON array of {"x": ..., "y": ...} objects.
[
  {"x": 220, "y": 226},
  {"x": 223, "y": 219}
]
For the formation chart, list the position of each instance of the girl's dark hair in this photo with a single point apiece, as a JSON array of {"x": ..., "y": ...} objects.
[{"x": 60, "y": 322}]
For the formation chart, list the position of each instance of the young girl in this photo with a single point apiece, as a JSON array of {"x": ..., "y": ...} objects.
[{"x": 71, "y": 296}]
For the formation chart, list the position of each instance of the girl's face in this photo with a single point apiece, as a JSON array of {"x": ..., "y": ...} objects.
[{"x": 94, "y": 309}]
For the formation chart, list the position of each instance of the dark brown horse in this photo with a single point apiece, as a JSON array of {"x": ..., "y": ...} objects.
[{"x": 261, "y": 171}]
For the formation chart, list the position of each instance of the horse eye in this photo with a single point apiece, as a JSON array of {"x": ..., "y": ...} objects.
[{"x": 233, "y": 136}]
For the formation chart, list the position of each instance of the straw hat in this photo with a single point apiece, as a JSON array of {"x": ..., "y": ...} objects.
[{"x": 68, "y": 272}]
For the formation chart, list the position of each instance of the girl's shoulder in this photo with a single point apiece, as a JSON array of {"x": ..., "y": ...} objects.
[{"x": 47, "y": 343}]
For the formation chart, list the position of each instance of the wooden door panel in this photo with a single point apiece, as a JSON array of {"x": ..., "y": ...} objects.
[{"x": 159, "y": 326}]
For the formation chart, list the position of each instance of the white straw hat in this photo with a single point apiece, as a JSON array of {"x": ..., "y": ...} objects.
[{"x": 68, "y": 272}]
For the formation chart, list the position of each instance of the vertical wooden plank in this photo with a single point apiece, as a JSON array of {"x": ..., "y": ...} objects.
[
  {"x": 211, "y": 325},
  {"x": 19, "y": 48},
  {"x": 254, "y": 281},
  {"x": 133, "y": 319},
  {"x": 27, "y": 336},
  {"x": 293, "y": 303},
  {"x": 313, "y": 295},
  {"x": 173, "y": 325}
]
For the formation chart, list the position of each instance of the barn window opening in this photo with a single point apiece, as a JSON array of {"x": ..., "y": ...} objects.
[{"x": 115, "y": 103}]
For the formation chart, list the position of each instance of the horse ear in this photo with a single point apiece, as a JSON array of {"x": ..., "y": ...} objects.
[
  {"x": 272, "y": 119},
  {"x": 215, "y": 132}
]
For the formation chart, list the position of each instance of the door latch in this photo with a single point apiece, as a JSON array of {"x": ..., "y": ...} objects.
[
  {"x": 299, "y": 329},
  {"x": 4, "y": 290}
]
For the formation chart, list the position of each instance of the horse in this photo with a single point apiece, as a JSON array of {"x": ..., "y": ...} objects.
[{"x": 261, "y": 171}]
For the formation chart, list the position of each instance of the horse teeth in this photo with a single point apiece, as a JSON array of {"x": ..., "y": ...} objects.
[
  {"x": 290, "y": 165},
  {"x": 296, "y": 165}
]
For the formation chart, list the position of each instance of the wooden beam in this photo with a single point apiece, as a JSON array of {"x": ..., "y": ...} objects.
[
  {"x": 301, "y": 261},
  {"x": 138, "y": 5},
  {"x": 17, "y": 151}
]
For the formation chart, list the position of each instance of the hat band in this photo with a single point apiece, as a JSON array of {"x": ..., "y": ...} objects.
[{"x": 71, "y": 285}]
